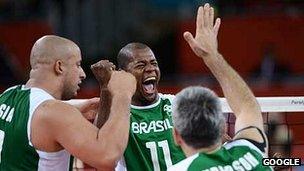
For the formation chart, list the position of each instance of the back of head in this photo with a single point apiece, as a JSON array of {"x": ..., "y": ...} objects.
[
  {"x": 197, "y": 116},
  {"x": 126, "y": 53},
  {"x": 50, "y": 48}
]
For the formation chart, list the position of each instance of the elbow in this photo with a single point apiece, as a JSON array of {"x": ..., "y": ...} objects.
[
  {"x": 107, "y": 162},
  {"x": 105, "y": 166}
]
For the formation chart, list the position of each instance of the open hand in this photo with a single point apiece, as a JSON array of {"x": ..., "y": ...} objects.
[{"x": 205, "y": 42}]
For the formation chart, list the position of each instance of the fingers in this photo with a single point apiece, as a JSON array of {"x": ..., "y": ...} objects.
[
  {"x": 217, "y": 26},
  {"x": 206, "y": 15},
  {"x": 191, "y": 41},
  {"x": 199, "y": 20},
  {"x": 95, "y": 100},
  {"x": 113, "y": 66},
  {"x": 189, "y": 38},
  {"x": 104, "y": 64},
  {"x": 95, "y": 65},
  {"x": 196, "y": 48},
  {"x": 109, "y": 65},
  {"x": 211, "y": 17}
]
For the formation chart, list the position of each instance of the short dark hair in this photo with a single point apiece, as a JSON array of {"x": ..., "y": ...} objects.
[
  {"x": 198, "y": 118},
  {"x": 125, "y": 54}
]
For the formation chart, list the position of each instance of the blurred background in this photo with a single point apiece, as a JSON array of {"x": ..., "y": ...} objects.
[{"x": 261, "y": 39}]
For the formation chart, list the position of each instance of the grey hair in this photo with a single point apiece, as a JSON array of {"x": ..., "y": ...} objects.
[{"x": 197, "y": 116}]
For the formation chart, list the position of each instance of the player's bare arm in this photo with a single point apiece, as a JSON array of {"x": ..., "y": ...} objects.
[
  {"x": 238, "y": 94},
  {"x": 57, "y": 125}
]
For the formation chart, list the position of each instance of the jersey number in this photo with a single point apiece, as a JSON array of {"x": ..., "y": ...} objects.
[
  {"x": 154, "y": 156},
  {"x": 1, "y": 141}
]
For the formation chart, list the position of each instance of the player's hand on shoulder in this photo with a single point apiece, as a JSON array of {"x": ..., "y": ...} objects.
[
  {"x": 204, "y": 44},
  {"x": 102, "y": 71},
  {"x": 87, "y": 107},
  {"x": 122, "y": 83}
]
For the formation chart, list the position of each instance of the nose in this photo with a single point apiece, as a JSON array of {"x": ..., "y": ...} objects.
[
  {"x": 82, "y": 74},
  {"x": 150, "y": 68}
]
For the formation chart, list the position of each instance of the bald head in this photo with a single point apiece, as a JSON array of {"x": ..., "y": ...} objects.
[
  {"x": 51, "y": 48},
  {"x": 125, "y": 55}
]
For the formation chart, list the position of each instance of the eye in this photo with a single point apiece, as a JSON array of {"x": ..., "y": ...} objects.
[
  {"x": 154, "y": 63},
  {"x": 141, "y": 66}
]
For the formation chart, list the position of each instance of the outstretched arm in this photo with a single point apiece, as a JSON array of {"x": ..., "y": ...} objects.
[{"x": 238, "y": 95}]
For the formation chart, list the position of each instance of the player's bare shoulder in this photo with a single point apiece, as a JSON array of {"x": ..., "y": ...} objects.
[
  {"x": 49, "y": 119},
  {"x": 53, "y": 115},
  {"x": 51, "y": 109}
]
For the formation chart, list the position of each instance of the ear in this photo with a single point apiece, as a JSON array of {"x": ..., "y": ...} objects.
[
  {"x": 58, "y": 67},
  {"x": 126, "y": 67},
  {"x": 177, "y": 138}
]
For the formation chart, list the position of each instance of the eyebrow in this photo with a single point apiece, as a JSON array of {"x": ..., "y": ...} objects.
[{"x": 140, "y": 62}]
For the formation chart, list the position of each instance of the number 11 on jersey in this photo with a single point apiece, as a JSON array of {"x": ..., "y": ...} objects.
[
  {"x": 154, "y": 156},
  {"x": 1, "y": 141}
]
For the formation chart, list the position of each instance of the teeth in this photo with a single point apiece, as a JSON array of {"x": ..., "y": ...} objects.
[{"x": 149, "y": 79}]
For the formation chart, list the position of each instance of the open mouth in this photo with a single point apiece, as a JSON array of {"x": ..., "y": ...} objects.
[
  {"x": 78, "y": 86},
  {"x": 149, "y": 85}
]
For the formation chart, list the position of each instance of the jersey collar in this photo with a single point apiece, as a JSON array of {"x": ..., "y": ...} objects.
[{"x": 149, "y": 106}]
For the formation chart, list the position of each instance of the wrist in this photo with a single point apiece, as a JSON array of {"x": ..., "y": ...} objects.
[
  {"x": 211, "y": 56},
  {"x": 103, "y": 87}
]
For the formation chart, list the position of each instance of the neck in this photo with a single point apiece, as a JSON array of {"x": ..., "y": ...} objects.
[
  {"x": 141, "y": 101},
  {"x": 41, "y": 76},
  {"x": 189, "y": 151},
  {"x": 48, "y": 86}
]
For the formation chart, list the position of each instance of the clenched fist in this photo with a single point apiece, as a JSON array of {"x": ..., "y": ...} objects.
[{"x": 102, "y": 71}]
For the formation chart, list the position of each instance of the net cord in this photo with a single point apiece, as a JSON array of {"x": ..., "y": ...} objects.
[{"x": 274, "y": 104}]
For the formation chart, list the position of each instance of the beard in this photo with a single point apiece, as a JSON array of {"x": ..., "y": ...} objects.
[{"x": 68, "y": 92}]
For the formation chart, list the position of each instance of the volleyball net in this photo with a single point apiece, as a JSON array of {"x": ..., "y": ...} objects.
[{"x": 283, "y": 121}]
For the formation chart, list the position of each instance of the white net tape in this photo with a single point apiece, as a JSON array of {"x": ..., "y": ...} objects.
[{"x": 274, "y": 104}]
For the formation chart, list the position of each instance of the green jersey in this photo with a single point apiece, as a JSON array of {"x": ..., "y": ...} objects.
[
  {"x": 151, "y": 146},
  {"x": 17, "y": 105},
  {"x": 239, "y": 155}
]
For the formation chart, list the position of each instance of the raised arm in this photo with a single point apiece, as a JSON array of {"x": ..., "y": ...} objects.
[
  {"x": 62, "y": 124},
  {"x": 238, "y": 95},
  {"x": 102, "y": 71}
]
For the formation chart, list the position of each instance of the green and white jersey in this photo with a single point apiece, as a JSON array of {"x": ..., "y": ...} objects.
[
  {"x": 238, "y": 155},
  {"x": 17, "y": 105},
  {"x": 151, "y": 146}
]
